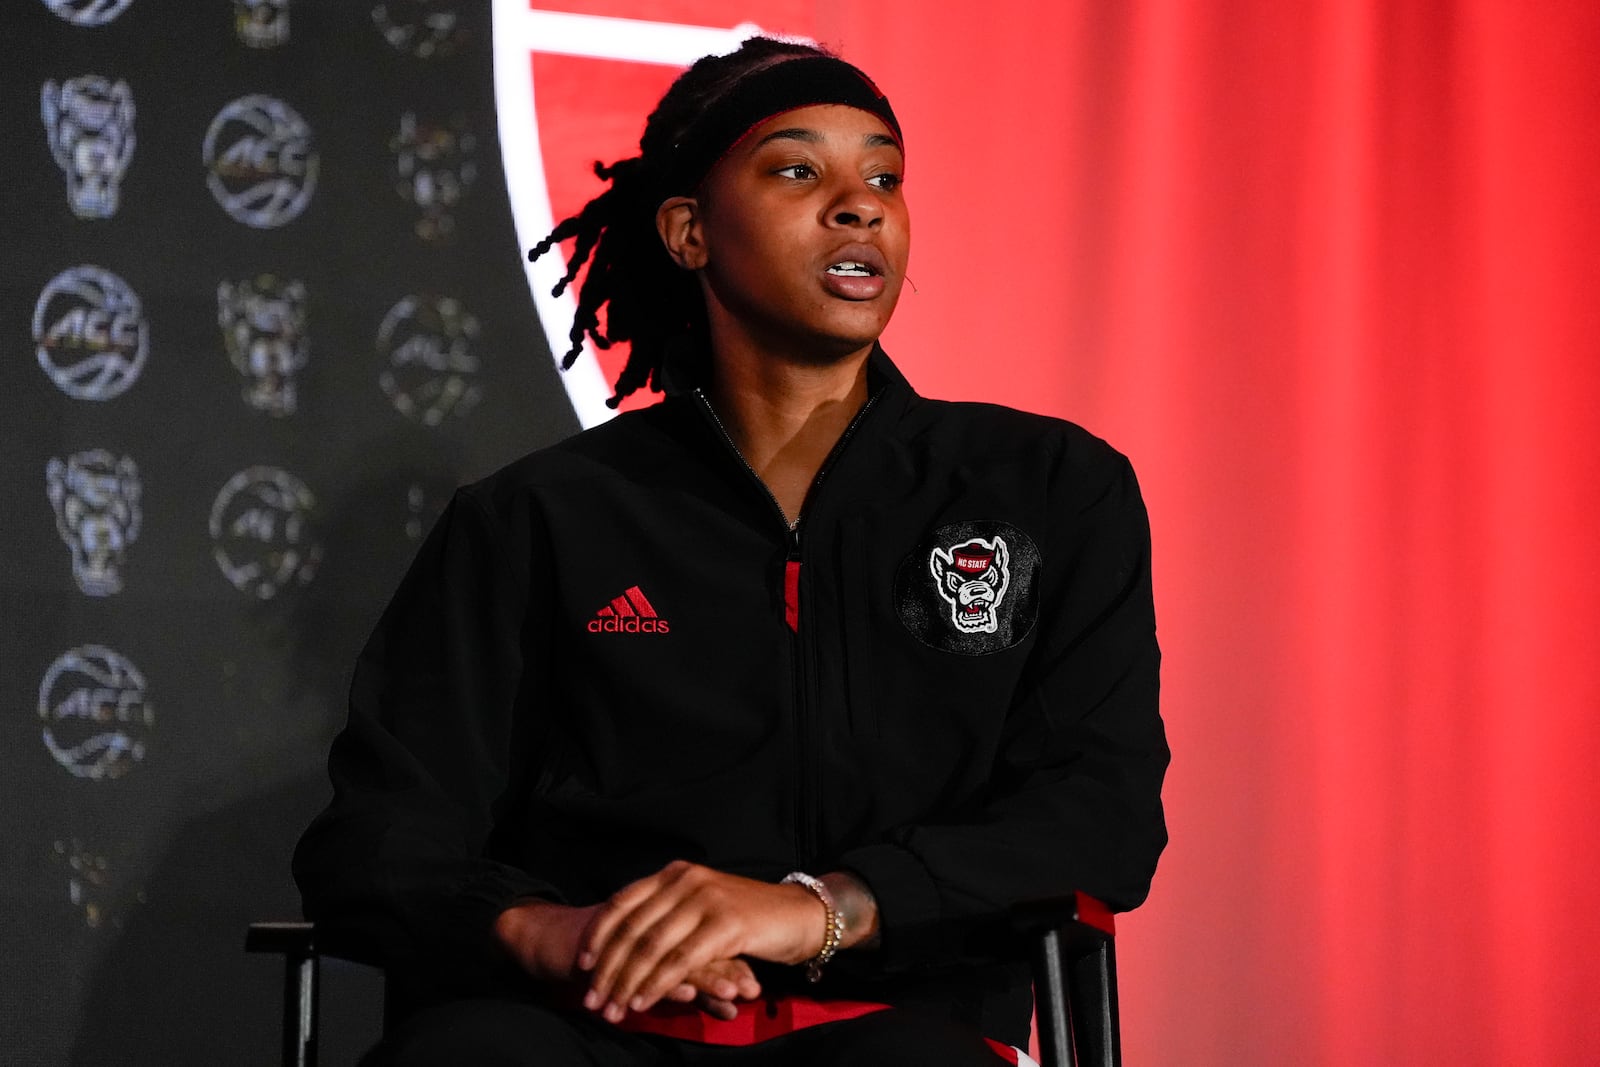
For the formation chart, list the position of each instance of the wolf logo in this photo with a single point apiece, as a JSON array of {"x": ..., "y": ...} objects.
[
  {"x": 263, "y": 324},
  {"x": 96, "y": 500},
  {"x": 972, "y": 578},
  {"x": 434, "y": 168},
  {"x": 426, "y": 29},
  {"x": 261, "y": 23},
  {"x": 89, "y": 124}
]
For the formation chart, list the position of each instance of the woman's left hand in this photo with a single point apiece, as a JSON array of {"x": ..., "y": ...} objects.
[{"x": 657, "y": 931}]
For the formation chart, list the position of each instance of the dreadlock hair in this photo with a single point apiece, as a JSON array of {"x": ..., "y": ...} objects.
[{"x": 648, "y": 300}]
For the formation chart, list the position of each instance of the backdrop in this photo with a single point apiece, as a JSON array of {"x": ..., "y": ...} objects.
[{"x": 1325, "y": 271}]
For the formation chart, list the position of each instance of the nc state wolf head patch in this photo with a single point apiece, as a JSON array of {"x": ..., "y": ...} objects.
[{"x": 970, "y": 587}]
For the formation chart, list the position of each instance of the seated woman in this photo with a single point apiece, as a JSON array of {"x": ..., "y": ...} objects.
[{"x": 729, "y": 730}]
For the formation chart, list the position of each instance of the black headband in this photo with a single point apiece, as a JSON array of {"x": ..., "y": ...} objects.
[{"x": 784, "y": 86}]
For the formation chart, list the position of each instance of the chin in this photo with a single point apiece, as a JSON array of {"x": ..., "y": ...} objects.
[{"x": 828, "y": 349}]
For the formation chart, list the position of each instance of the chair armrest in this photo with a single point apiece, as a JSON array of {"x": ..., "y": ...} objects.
[
  {"x": 308, "y": 939},
  {"x": 284, "y": 938},
  {"x": 1074, "y": 980},
  {"x": 297, "y": 943},
  {"x": 302, "y": 946}
]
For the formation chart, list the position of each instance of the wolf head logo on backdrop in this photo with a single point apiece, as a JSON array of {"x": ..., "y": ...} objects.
[
  {"x": 96, "y": 500},
  {"x": 973, "y": 578},
  {"x": 434, "y": 168},
  {"x": 89, "y": 123},
  {"x": 263, "y": 324},
  {"x": 261, "y": 23}
]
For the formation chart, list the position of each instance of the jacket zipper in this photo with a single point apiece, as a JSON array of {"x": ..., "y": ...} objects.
[{"x": 807, "y": 770}]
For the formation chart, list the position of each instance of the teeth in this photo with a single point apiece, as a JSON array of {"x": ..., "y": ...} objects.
[{"x": 851, "y": 270}]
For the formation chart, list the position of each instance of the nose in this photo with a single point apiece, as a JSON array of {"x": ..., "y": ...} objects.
[{"x": 856, "y": 204}]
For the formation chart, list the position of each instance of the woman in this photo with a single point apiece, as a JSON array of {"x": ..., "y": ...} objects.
[{"x": 728, "y": 730}]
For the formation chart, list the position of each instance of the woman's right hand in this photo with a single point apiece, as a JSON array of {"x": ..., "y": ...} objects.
[
  {"x": 544, "y": 938},
  {"x": 718, "y": 987}
]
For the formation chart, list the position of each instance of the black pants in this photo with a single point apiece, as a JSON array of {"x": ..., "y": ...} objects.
[{"x": 496, "y": 1033}]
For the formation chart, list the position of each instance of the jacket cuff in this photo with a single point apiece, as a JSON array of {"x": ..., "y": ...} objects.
[
  {"x": 909, "y": 909},
  {"x": 457, "y": 930}
]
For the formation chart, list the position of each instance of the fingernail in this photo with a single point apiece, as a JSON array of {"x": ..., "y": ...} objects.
[
  {"x": 613, "y": 1013},
  {"x": 637, "y": 1003},
  {"x": 591, "y": 1000},
  {"x": 586, "y": 961}
]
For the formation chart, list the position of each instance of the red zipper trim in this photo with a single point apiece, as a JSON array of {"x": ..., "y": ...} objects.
[{"x": 791, "y": 594}]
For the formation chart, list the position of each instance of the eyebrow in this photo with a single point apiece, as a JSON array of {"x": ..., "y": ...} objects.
[{"x": 800, "y": 133}]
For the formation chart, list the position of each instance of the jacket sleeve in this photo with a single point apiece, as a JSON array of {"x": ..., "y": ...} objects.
[
  {"x": 1074, "y": 798},
  {"x": 398, "y": 860}
]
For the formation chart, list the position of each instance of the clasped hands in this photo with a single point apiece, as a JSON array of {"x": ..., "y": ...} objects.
[{"x": 680, "y": 934}]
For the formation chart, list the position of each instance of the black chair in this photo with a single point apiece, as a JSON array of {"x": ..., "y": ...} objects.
[{"x": 1071, "y": 943}]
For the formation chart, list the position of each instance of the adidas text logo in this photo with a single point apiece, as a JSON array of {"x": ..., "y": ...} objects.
[{"x": 629, "y": 613}]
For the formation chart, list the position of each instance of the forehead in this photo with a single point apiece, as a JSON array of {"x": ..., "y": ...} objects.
[{"x": 833, "y": 125}]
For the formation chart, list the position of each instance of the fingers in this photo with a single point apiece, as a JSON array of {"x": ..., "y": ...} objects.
[
  {"x": 714, "y": 978},
  {"x": 717, "y": 1008},
  {"x": 664, "y": 932},
  {"x": 658, "y": 930},
  {"x": 649, "y": 973},
  {"x": 722, "y": 983},
  {"x": 671, "y": 947},
  {"x": 618, "y": 913}
]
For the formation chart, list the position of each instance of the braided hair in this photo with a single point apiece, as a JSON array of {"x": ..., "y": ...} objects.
[{"x": 648, "y": 300}]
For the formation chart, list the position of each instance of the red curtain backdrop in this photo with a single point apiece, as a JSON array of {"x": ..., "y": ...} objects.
[{"x": 1327, "y": 271}]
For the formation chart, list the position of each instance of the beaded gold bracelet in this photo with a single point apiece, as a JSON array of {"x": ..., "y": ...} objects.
[{"x": 834, "y": 933}]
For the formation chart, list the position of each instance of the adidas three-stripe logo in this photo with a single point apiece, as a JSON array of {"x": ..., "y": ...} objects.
[{"x": 630, "y": 613}]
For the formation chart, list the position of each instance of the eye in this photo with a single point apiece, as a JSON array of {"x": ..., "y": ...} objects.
[
  {"x": 888, "y": 182},
  {"x": 798, "y": 171}
]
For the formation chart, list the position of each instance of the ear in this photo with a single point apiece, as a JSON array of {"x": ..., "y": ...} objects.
[{"x": 678, "y": 223}]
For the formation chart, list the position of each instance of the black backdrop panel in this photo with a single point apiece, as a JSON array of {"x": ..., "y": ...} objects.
[{"x": 261, "y": 308}]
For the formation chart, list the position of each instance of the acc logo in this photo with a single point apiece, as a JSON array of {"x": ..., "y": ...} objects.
[
  {"x": 88, "y": 12},
  {"x": 95, "y": 496},
  {"x": 261, "y": 533},
  {"x": 96, "y": 717},
  {"x": 261, "y": 23},
  {"x": 263, "y": 324},
  {"x": 432, "y": 370},
  {"x": 263, "y": 168},
  {"x": 89, "y": 124},
  {"x": 90, "y": 332},
  {"x": 434, "y": 167},
  {"x": 970, "y": 588},
  {"x": 422, "y": 28}
]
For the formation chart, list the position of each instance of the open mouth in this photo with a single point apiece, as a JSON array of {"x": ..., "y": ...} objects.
[{"x": 852, "y": 269}]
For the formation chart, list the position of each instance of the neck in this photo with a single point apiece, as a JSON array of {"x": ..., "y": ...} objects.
[{"x": 785, "y": 416}]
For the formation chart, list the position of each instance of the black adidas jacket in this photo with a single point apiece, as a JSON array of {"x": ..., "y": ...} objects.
[{"x": 613, "y": 653}]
